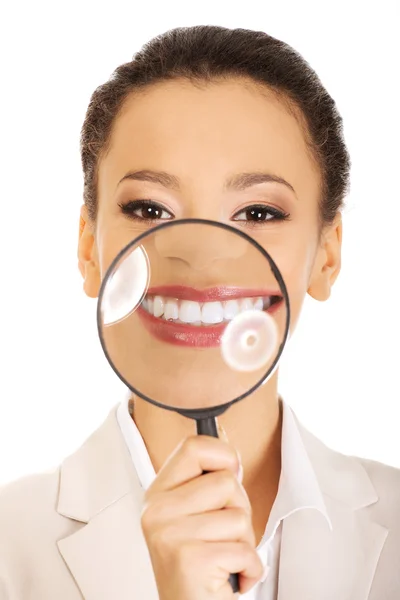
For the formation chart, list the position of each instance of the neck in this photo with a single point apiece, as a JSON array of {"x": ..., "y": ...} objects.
[{"x": 257, "y": 417}]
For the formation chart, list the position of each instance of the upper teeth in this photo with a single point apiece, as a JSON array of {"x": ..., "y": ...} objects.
[{"x": 209, "y": 313}]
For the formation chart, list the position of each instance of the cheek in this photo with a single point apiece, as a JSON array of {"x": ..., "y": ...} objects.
[
  {"x": 110, "y": 241},
  {"x": 295, "y": 261},
  {"x": 295, "y": 275}
]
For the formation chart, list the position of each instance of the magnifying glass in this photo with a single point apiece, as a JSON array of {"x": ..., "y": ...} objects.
[{"x": 193, "y": 316}]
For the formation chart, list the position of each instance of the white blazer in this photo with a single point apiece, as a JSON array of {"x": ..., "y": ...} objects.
[{"x": 75, "y": 533}]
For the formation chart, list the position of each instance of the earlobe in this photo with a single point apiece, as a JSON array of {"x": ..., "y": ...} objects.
[
  {"x": 327, "y": 262},
  {"x": 87, "y": 256}
]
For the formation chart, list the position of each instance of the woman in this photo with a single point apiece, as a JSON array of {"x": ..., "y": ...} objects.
[{"x": 130, "y": 515}]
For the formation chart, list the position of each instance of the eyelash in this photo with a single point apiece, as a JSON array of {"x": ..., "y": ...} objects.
[
  {"x": 129, "y": 209},
  {"x": 277, "y": 215}
]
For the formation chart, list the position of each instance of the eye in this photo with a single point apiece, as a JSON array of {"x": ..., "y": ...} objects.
[
  {"x": 260, "y": 213},
  {"x": 145, "y": 210}
]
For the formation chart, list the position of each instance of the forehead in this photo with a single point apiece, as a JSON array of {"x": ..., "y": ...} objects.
[{"x": 210, "y": 132}]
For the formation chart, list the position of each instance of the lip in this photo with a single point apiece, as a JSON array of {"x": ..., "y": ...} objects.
[
  {"x": 191, "y": 336},
  {"x": 213, "y": 294}
]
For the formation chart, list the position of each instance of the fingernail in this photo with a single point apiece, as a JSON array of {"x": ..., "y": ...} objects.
[
  {"x": 222, "y": 433},
  {"x": 240, "y": 469}
]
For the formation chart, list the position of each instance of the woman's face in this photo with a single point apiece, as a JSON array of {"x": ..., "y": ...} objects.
[{"x": 188, "y": 146}]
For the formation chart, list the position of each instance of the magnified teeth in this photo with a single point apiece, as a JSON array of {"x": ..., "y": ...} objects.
[
  {"x": 259, "y": 304},
  {"x": 171, "y": 310},
  {"x": 212, "y": 313},
  {"x": 267, "y": 303},
  {"x": 246, "y": 304},
  {"x": 231, "y": 309},
  {"x": 158, "y": 307},
  {"x": 203, "y": 313},
  {"x": 189, "y": 312}
]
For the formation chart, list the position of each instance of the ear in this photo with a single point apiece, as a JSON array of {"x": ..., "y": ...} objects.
[
  {"x": 327, "y": 262},
  {"x": 88, "y": 262}
]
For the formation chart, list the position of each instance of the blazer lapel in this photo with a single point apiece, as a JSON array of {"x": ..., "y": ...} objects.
[
  {"x": 107, "y": 556},
  {"x": 316, "y": 562}
]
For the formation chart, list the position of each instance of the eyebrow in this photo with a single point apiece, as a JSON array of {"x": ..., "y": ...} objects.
[{"x": 238, "y": 182}]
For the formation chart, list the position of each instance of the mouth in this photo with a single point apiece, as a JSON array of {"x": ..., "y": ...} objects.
[{"x": 187, "y": 317}]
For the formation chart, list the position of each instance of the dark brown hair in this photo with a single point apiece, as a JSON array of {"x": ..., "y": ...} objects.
[{"x": 204, "y": 54}]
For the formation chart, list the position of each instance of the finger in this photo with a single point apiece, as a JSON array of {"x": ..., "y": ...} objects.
[
  {"x": 192, "y": 457},
  {"x": 210, "y": 492},
  {"x": 234, "y": 557},
  {"x": 228, "y": 525}
]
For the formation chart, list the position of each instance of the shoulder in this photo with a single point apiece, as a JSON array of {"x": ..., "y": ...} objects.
[
  {"x": 386, "y": 481},
  {"x": 30, "y": 527},
  {"x": 347, "y": 474},
  {"x": 28, "y": 513},
  {"x": 386, "y": 512},
  {"x": 356, "y": 481},
  {"x": 30, "y": 494},
  {"x": 385, "y": 476}
]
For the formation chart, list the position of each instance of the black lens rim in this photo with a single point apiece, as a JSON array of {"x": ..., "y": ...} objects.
[{"x": 214, "y": 411}]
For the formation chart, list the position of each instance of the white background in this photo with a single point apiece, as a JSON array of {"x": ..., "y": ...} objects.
[{"x": 341, "y": 371}]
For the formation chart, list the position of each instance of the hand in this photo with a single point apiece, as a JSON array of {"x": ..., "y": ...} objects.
[{"x": 198, "y": 526}]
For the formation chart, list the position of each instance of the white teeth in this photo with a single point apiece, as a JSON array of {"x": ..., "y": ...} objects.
[
  {"x": 208, "y": 313},
  {"x": 212, "y": 313},
  {"x": 231, "y": 309},
  {"x": 158, "y": 307},
  {"x": 246, "y": 304},
  {"x": 259, "y": 304},
  {"x": 189, "y": 312},
  {"x": 171, "y": 310}
]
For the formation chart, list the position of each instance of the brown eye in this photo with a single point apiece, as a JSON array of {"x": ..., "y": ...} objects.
[
  {"x": 151, "y": 212},
  {"x": 145, "y": 210},
  {"x": 260, "y": 214},
  {"x": 256, "y": 214}
]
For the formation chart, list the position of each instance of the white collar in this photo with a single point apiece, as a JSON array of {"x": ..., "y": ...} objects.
[
  {"x": 298, "y": 485},
  {"x": 136, "y": 446}
]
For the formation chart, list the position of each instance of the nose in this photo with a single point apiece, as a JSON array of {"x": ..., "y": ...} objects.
[{"x": 199, "y": 245}]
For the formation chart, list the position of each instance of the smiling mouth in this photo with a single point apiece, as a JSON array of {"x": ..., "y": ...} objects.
[
  {"x": 183, "y": 316},
  {"x": 184, "y": 311}
]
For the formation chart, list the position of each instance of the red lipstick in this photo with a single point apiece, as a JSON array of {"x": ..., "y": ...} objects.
[
  {"x": 198, "y": 336},
  {"x": 213, "y": 294}
]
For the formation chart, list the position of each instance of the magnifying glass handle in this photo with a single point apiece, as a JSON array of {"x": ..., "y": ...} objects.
[{"x": 208, "y": 426}]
